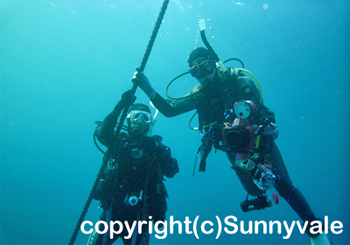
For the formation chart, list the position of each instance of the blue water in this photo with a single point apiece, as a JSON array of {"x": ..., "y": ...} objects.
[{"x": 65, "y": 64}]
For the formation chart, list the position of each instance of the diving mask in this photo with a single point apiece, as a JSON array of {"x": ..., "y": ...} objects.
[
  {"x": 202, "y": 68},
  {"x": 137, "y": 115}
]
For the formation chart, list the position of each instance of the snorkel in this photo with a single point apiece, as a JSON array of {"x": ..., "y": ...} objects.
[
  {"x": 217, "y": 59},
  {"x": 209, "y": 47},
  {"x": 202, "y": 27}
]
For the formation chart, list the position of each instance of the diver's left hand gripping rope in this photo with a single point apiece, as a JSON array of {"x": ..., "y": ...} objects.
[{"x": 122, "y": 118}]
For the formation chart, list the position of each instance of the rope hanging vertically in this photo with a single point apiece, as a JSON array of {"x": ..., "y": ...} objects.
[
  {"x": 154, "y": 35},
  {"x": 145, "y": 58},
  {"x": 122, "y": 118}
]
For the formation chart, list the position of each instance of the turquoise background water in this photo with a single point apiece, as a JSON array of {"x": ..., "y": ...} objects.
[{"x": 65, "y": 64}]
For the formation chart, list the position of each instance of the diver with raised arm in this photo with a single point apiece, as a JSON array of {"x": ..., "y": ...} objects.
[{"x": 221, "y": 99}]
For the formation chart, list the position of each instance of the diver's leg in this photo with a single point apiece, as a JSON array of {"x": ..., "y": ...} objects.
[
  {"x": 94, "y": 239},
  {"x": 102, "y": 239},
  {"x": 138, "y": 239},
  {"x": 294, "y": 197},
  {"x": 143, "y": 239},
  {"x": 98, "y": 239},
  {"x": 287, "y": 189}
]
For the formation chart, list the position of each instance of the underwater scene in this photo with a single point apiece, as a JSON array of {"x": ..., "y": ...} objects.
[{"x": 66, "y": 64}]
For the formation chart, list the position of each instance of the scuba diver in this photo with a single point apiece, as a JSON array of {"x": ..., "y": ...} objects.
[
  {"x": 132, "y": 187},
  {"x": 232, "y": 118}
]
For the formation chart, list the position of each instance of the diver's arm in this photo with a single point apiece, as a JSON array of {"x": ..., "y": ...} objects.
[
  {"x": 167, "y": 163},
  {"x": 105, "y": 133},
  {"x": 172, "y": 168},
  {"x": 168, "y": 108},
  {"x": 171, "y": 108}
]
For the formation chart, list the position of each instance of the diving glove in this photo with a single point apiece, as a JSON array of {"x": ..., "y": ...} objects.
[
  {"x": 142, "y": 81},
  {"x": 128, "y": 98}
]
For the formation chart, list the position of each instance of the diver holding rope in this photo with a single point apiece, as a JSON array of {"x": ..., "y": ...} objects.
[
  {"x": 123, "y": 114},
  {"x": 233, "y": 118},
  {"x": 131, "y": 187}
]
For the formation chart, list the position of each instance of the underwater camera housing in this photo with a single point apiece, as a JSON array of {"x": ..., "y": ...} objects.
[
  {"x": 240, "y": 135},
  {"x": 237, "y": 137},
  {"x": 257, "y": 203}
]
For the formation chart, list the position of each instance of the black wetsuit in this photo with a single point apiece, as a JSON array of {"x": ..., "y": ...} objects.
[
  {"x": 211, "y": 101},
  {"x": 132, "y": 187}
]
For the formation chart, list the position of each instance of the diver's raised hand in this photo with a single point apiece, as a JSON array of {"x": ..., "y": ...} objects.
[
  {"x": 142, "y": 81},
  {"x": 128, "y": 98}
]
